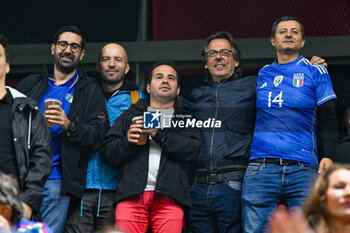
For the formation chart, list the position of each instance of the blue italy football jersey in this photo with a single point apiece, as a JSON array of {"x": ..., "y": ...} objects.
[{"x": 287, "y": 98}]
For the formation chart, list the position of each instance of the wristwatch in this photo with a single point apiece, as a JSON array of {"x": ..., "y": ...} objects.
[{"x": 72, "y": 127}]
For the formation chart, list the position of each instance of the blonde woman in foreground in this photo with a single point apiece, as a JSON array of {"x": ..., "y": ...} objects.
[{"x": 327, "y": 209}]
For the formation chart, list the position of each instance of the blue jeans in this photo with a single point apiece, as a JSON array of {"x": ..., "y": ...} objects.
[
  {"x": 267, "y": 185},
  {"x": 54, "y": 207},
  {"x": 216, "y": 208}
]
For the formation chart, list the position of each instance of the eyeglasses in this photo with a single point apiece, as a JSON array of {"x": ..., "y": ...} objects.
[
  {"x": 223, "y": 53},
  {"x": 73, "y": 46}
]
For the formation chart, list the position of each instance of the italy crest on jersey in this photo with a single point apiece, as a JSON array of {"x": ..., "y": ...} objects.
[
  {"x": 298, "y": 79},
  {"x": 278, "y": 80}
]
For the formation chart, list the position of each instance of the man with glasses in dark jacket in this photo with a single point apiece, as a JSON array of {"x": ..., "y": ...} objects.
[
  {"x": 224, "y": 153},
  {"x": 77, "y": 123}
]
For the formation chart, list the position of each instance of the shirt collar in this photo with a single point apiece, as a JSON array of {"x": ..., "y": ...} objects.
[
  {"x": 70, "y": 83},
  {"x": 295, "y": 62}
]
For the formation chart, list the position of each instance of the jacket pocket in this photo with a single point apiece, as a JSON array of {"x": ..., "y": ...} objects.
[
  {"x": 253, "y": 169},
  {"x": 238, "y": 138}
]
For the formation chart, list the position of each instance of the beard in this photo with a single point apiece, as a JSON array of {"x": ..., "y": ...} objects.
[
  {"x": 113, "y": 81},
  {"x": 66, "y": 67}
]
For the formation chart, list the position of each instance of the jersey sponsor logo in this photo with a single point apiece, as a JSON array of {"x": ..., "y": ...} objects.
[
  {"x": 278, "y": 80},
  {"x": 298, "y": 79},
  {"x": 69, "y": 98}
]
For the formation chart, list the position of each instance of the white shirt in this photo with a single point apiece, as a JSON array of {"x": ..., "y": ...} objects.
[{"x": 155, "y": 152}]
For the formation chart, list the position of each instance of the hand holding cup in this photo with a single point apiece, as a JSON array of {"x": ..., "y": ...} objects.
[
  {"x": 136, "y": 133},
  {"x": 50, "y": 102},
  {"x": 54, "y": 114}
]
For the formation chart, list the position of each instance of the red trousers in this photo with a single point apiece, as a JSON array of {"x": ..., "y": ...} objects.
[{"x": 136, "y": 213}]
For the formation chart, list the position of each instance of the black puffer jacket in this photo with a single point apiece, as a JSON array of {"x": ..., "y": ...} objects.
[
  {"x": 32, "y": 143},
  {"x": 88, "y": 109},
  {"x": 179, "y": 146}
]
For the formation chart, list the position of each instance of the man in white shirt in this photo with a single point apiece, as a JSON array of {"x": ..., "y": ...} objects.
[{"x": 153, "y": 185}]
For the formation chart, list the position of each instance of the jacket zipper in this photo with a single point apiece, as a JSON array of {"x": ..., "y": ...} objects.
[
  {"x": 213, "y": 134},
  {"x": 29, "y": 129}
]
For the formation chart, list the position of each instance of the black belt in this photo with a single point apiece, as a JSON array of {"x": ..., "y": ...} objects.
[
  {"x": 217, "y": 178},
  {"x": 278, "y": 161}
]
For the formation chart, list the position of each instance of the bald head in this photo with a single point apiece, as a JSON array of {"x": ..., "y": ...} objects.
[
  {"x": 112, "y": 65},
  {"x": 113, "y": 46}
]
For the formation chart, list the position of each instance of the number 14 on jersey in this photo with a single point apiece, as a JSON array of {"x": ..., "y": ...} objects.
[{"x": 278, "y": 99}]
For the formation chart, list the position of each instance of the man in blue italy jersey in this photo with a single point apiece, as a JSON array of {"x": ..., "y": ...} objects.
[{"x": 293, "y": 98}]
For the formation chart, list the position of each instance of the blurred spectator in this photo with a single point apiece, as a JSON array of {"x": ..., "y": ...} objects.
[
  {"x": 24, "y": 140},
  {"x": 11, "y": 209},
  {"x": 327, "y": 209}
]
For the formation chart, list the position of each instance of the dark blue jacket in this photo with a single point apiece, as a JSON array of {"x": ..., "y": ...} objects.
[{"x": 232, "y": 102}]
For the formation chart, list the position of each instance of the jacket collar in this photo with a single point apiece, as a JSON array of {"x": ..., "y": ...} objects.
[
  {"x": 210, "y": 81},
  {"x": 142, "y": 105},
  {"x": 20, "y": 101},
  {"x": 83, "y": 77},
  {"x": 128, "y": 85},
  {"x": 14, "y": 92}
]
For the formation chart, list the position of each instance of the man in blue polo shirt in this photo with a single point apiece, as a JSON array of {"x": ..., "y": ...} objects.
[
  {"x": 293, "y": 98},
  {"x": 77, "y": 125}
]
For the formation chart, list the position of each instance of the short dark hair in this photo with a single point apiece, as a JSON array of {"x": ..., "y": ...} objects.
[
  {"x": 4, "y": 43},
  {"x": 160, "y": 63},
  {"x": 235, "y": 50},
  {"x": 10, "y": 195},
  {"x": 70, "y": 28},
  {"x": 283, "y": 19}
]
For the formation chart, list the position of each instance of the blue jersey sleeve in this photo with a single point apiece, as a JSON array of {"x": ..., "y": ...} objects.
[{"x": 323, "y": 83}]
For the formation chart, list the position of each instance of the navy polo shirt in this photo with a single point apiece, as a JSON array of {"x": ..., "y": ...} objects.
[{"x": 65, "y": 94}]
